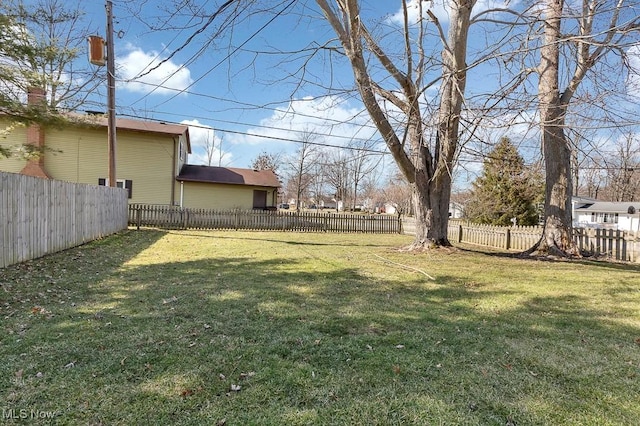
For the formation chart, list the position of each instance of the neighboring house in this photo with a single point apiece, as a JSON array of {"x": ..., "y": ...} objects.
[
  {"x": 590, "y": 213},
  {"x": 149, "y": 155},
  {"x": 151, "y": 162},
  {"x": 226, "y": 188},
  {"x": 456, "y": 210}
]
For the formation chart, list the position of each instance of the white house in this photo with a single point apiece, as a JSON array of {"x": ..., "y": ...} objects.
[{"x": 590, "y": 213}]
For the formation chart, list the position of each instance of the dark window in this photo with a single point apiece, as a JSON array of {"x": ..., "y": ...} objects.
[{"x": 259, "y": 199}]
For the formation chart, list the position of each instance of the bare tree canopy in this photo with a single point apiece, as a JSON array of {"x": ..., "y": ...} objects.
[{"x": 46, "y": 39}]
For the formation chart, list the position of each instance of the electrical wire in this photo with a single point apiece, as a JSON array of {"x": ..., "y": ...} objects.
[{"x": 277, "y": 138}]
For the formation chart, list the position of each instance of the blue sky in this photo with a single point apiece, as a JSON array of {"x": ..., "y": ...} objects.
[
  {"x": 250, "y": 92},
  {"x": 241, "y": 95},
  {"x": 237, "y": 91}
]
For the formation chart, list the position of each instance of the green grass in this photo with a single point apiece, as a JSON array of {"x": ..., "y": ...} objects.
[{"x": 154, "y": 327}]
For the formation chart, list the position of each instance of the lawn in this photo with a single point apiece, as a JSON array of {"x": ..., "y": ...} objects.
[{"x": 239, "y": 328}]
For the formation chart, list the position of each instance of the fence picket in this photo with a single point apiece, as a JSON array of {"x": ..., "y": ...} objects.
[
  {"x": 614, "y": 244},
  {"x": 165, "y": 216}
]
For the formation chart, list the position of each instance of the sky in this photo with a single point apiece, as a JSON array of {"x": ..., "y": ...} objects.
[
  {"x": 247, "y": 101},
  {"x": 253, "y": 88}
]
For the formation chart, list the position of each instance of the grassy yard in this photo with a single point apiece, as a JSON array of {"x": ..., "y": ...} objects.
[{"x": 154, "y": 327}]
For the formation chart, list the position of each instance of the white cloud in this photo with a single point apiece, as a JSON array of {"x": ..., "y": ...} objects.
[
  {"x": 165, "y": 79},
  {"x": 332, "y": 119},
  {"x": 204, "y": 137},
  {"x": 633, "y": 80}
]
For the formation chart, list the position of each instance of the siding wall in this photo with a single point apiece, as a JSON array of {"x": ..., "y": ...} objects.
[
  {"x": 220, "y": 197},
  {"x": 80, "y": 155},
  {"x": 17, "y": 136},
  {"x": 41, "y": 216},
  {"x": 145, "y": 159}
]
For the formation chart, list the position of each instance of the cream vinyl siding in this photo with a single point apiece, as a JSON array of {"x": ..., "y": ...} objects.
[
  {"x": 221, "y": 197},
  {"x": 145, "y": 159},
  {"x": 15, "y": 136}
]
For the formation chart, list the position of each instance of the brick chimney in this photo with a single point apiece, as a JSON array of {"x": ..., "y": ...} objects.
[{"x": 35, "y": 136}]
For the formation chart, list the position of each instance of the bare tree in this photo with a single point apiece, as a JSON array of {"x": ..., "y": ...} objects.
[
  {"x": 361, "y": 164},
  {"x": 427, "y": 168},
  {"x": 209, "y": 147},
  {"x": 600, "y": 31},
  {"x": 337, "y": 176},
  {"x": 398, "y": 193},
  {"x": 301, "y": 166},
  {"x": 56, "y": 33},
  {"x": 623, "y": 170},
  {"x": 267, "y": 161}
]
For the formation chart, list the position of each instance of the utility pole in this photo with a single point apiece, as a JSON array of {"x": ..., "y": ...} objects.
[{"x": 111, "y": 96}]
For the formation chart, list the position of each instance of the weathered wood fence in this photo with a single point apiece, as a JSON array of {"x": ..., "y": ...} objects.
[
  {"x": 173, "y": 217},
  {"x": 41, "y": 216},
  {"x": 613, "y": 244}
]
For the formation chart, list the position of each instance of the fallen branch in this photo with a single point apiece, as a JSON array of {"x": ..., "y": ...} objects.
[{"x": 406, "y": 267}]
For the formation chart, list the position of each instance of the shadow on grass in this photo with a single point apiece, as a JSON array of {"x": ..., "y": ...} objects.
[
  {"x": 587, "y": 261},
  {"x": 167, "y": 343},
  {"x": 332, "y": 239}
]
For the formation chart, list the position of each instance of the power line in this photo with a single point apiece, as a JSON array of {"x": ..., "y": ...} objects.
[
  {"x": 239, "y": 123},
  {"x": 210, "y": 20},
  {"x": 237, "y": 132}
]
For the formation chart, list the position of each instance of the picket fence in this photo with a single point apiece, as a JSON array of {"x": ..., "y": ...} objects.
[
  {"x": 172, "y": 217},
  {"x": 608, "y": 243},
  {"x": 42, "y": 216}
]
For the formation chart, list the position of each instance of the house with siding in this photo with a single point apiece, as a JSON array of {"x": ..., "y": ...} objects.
[
  {"x": 151, "y": 163},
  {"x": 590, "y": 213},
  {"x": 226, "y": 188},
  {"x": 149, "y": 155}
]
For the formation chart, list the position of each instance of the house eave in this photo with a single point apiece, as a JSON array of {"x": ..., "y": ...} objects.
[{"x": 183, "y": 179}]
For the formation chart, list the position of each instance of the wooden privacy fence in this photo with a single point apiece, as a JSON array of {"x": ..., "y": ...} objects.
[
  {"x": 41, "y": 216},
  {"x": 171, "y": 217},
  {"x": 615, "y": 244}
]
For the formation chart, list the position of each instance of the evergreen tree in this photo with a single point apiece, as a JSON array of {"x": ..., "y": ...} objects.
[{"x": 506, "y": 189}]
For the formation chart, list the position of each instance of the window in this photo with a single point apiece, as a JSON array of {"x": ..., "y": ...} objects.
[
  {"x": 259, "y": 199},
  {"x": 604, "y": 217},
  {"x": 120, "y": 183}
]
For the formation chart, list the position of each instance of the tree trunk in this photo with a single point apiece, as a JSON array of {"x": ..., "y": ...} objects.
[
  {"x": 557, "y": 238},
  {"x": 432, "y": 214},
  {"x": 428, "y": 172}
]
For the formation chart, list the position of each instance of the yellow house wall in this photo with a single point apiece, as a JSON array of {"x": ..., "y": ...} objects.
[
  {"x": 221, "y": 197},
  {"x": 15, "y": 136},
  {"x": 145, "y": 159},
  {"x": 79, "y": 154}
]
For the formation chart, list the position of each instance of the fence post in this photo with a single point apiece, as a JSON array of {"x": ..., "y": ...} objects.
[
  {"x": 185, "y": 217},
  {"x": 508, "y": 239}
]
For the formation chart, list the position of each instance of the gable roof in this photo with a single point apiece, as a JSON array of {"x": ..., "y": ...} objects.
[
  {"x": 607, "y": 206},
  {"x": 228, "y": 175}
]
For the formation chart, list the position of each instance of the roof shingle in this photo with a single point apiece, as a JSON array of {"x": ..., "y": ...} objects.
[{"x": 228, "y": 175}]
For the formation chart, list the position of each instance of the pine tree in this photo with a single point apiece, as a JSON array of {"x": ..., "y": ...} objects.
[{"x": 506, "y": 189}]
